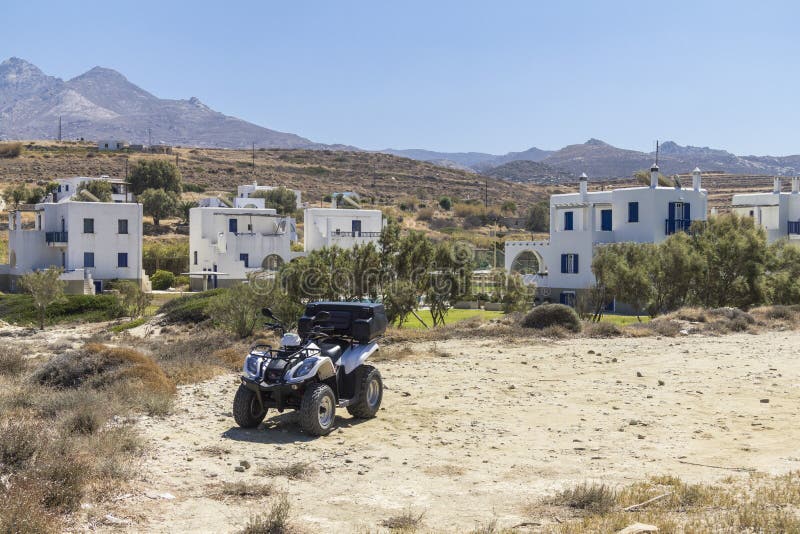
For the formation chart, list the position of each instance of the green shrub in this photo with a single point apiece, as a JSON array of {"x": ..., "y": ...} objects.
[
  {"x": 162, "y": 280},
  {"x": 552, "y": 315},
  {"x": 193, "y": 188},
  {"x": 445, "y": 203},
  {"x": 19, "y": 309},
  {"x": 189, "y": 308},
  {"x": 182, "y": 281},
  {"x": 603, "y": 329}
]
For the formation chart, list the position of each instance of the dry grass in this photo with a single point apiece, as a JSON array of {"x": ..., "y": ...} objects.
[
  {"x": 244, "y": 490},
  {"x": 294, "y": 471},
  {"x": 12, "y": 361},
  {"x": 758, "y": 503},
  {"x": 407, "y": 521},
  {"x": 276, "y": 521},
  {"x": 10, "y": 150}
]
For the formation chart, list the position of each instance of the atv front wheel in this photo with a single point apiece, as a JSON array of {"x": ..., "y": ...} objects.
[
  {"x": 370, "y": 393},
  {"x": 247, "y": 411},
  {"x": 318, "y": 410}
]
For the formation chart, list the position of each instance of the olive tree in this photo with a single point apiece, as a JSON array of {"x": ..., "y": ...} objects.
[
  {"x": 46, "y": 288},
  {"x": 158, "y": 204},
  {"x": 155, "y": 174}
]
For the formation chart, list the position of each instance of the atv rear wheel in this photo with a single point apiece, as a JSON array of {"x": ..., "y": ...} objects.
[
  {"x": 247, "y": 411},
  {"x": 318, "y": 410},
  {"x": 370, "y": 393}
]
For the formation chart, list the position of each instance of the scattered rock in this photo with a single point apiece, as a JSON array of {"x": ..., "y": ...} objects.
[
  {"x": 239, "y": 469},
  {"x": 245, "y": 464},
  {"x": 661, "y": 382},
  {"x": 639, "y": 374},
  {"x": 764, "y": 401}
]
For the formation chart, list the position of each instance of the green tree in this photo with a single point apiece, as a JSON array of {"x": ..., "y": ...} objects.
[
  {"x": 400, "y": 301},
  {"x": 448, "y": 278},
  {"x": 132, "y": 298},
  {"x": 45, "y": 288},
  {"x": 608, "y": 266},
  {"x": 35, "y": 195},
  {"x": 539, "y": 217},
  {"x": 735, "y": 255},
  {"x": 99, "y": 189},
  {"x": 281, "y": 199},
  {"x": 158, "y": 203},
  {"x": 675, "y": 266},
  {"x": 783, "y": 278},
  {"x": 508, "y": 207},
  {"x": 445, "y": 203},
  {"x": 184, "y": 207},
  {"x": 16, "y": 195},
  {"x": 237, "y": 309},
  {"x": 366, "y": 263},
  {"x": 155, "y": 174}
]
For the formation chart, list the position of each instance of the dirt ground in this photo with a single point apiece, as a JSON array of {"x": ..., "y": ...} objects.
[{"x": 473, "y": 432}]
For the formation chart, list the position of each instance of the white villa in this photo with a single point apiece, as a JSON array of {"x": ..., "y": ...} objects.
[
  {"x": 111, "y": 144},
  {"x": 777, "y": 212},
  {"x": 67, "y": 187},
  {"x": 328, "y": 227},
  {"x": 244, "y": 191},
  {"x": 225, "y": 243},
  {"x": 93, "y": 242},
  {"x": 579, "y": 222}
]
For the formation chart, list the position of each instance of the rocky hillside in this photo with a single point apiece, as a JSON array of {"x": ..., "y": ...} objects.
[
  {"x": 103, "y": 104},
  {"x": 530, "y": 171}
]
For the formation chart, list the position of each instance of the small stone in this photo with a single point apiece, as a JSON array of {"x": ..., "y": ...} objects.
[
  {"x": 239, "y": 469},
  {"x": 638, "y": 528},
  {"x": 245, "y": 464},
  {"x": 613, "y": 360},
  {"x": 640, "y": 436},
  {"x": 661, "y": 382},
  {"x": 764, "y": 401},
  {"x": 512, "y": 386},
  {"x": 639, "y": 374}
]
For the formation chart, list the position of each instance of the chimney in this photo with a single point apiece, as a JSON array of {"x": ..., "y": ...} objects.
[
  {"x": 777, "y": 187},
  {"x": 654, "y": 176},
  {"x": 696, "y": 179},
  {"x": 796, "y": 185},
  {"x": 584, "y": 184}
]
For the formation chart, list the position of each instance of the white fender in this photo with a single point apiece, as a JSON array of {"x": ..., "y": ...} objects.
[
  {"x": 356, "y": 355},
  {"x": 323, "y": 366}
]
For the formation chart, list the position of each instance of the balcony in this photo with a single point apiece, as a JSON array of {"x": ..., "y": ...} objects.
[
  {"x": 794, "y": 227},
  {"x": 677, "y": 225},
  {"x": 355, "y": 234},
  {"x": 55, "y": 239}
]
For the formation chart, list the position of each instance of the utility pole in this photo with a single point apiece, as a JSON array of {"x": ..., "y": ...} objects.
[
  {"x": 149, "y": 138},
  {"x": 59, "y": 128},
  {"x": 486, "y": 194},
  {"x": 176, "y": 160},
  {"x": 254, "y": 156},
  {"x": 126, "y": 169}
]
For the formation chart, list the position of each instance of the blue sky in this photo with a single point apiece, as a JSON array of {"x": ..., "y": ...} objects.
[{"x": 449, "y": 75}]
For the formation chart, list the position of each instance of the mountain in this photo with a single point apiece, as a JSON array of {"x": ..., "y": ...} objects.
[
  {"x": 530, "y": 171},
  {"x": 476, "y": 161},
  {"x": 103, "y": 104}
]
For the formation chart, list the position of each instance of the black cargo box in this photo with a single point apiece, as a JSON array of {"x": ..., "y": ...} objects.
[{"x": 362, "y": 321}]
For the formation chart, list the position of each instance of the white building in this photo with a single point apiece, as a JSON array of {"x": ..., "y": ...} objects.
[
  {"x": 327, "y": 227},
  {"x": 777, "y": 212},
  {"x": 110, "y": 144},
  {"x": 228, "y": 243},
  {"x": 93, "y": 242},
  {"x": 247, "y": 190},
  {"x": 68, "y": 187},
  {"x": 579, "y": 222}
]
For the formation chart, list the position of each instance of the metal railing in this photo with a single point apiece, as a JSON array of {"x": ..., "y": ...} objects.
[
  {"x": 677, "y": 225},
  {"x": 55, "y": 237},
  {"x": 356, "y": 234}
]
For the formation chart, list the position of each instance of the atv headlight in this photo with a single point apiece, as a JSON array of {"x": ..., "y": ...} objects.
[
  {"x": 252, "y": 365},
  {"x": 305, "y": 367}
]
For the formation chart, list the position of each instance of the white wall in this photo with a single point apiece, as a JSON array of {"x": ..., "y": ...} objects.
[
  {"x": 244, "y": 191},
  {"x": 260, "y": 233},
  {"x": 326, "y": 227},
  {"x": 772, "y": 211}
]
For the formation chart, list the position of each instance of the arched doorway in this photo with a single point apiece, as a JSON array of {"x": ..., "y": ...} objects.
[
  {"x": 272, "y": 262},
  {"x": 526, "y": 262}
]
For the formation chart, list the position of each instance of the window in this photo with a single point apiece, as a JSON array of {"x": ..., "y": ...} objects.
[
  {"x": 233, "y": 225},
  {"x": 195, "y": 257},
  {"x": 568, "y": 220},
  {"x": 249, "y": 227},
  {"x": 59, "y": 188},
  {"x": 245, "y": 258},
  {"x": 569, "y": 263},
  {"x": 356, "y": 228},
  {"x": 567, "y": 297},
  {"x": 88, "y": 259},
  {"x": 605, "y": 220},
  {"x": 122, "y": 226},
  {"x": 122, "y": 259},
  {"x": 66, "y": 187},
  {"x": 88, "y": 226},
  {"x": 633, "y": 212}
]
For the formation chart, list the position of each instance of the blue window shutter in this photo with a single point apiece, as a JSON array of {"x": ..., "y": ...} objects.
[
  {"x": 687, "y": 211},
  {"x": 562, "y": 298},
  {"x": 671, "y": 212},
  {"x": 563, "y": 263},
  {"x": 575, "y": 263},
  {"x": 605, "y": 220},
  {"x": 568, "y": 220},
  {"x": 232, "y": 226},
  {"x": 633, "y": 212}
]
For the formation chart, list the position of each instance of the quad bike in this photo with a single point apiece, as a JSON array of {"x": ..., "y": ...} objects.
[{"x": 316, "y": 371}]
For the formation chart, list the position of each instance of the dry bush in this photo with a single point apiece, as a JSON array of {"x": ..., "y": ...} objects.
[
  {"x": 602, "y": 330},
  {"x": 732, "y": 314},
  {"x": 230, "y": 358},
  {"x": 776, "y": 313},
  {"x": 196, "y": 357},
  {"x": 468, "y": 210},
  {"x": 554, "y": 332},
  {"x": 408, "y": 521},
  {"x": 23, "y": 511},
  {"x": 86, "y": 419},
  {"x": 294, "y": 471},
  {"x": 63, "y": 475},
  {"x": 694, "y": 315},
  {"x": 19, "y": 441},
  {"x": 245, "y": 490},
  {"x": 552, "y": 315},
  {"x": 12, "y": 361},
  {"x": 664, "y": 327},
  {"x": 10, "y": 150},
  {"x": 425, "y": 214},
  {"x": 593, "y": 498},
  {"x": 276, "y": 521}
]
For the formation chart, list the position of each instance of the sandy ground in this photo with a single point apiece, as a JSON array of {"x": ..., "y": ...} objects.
[{"x": 485, "y": 431}]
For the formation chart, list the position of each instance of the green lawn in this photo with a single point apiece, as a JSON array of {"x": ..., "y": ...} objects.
[{"x": 453, "y": 316}]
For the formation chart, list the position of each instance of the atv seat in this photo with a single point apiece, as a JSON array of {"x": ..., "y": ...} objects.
[{"x": 331, "y": 350}]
